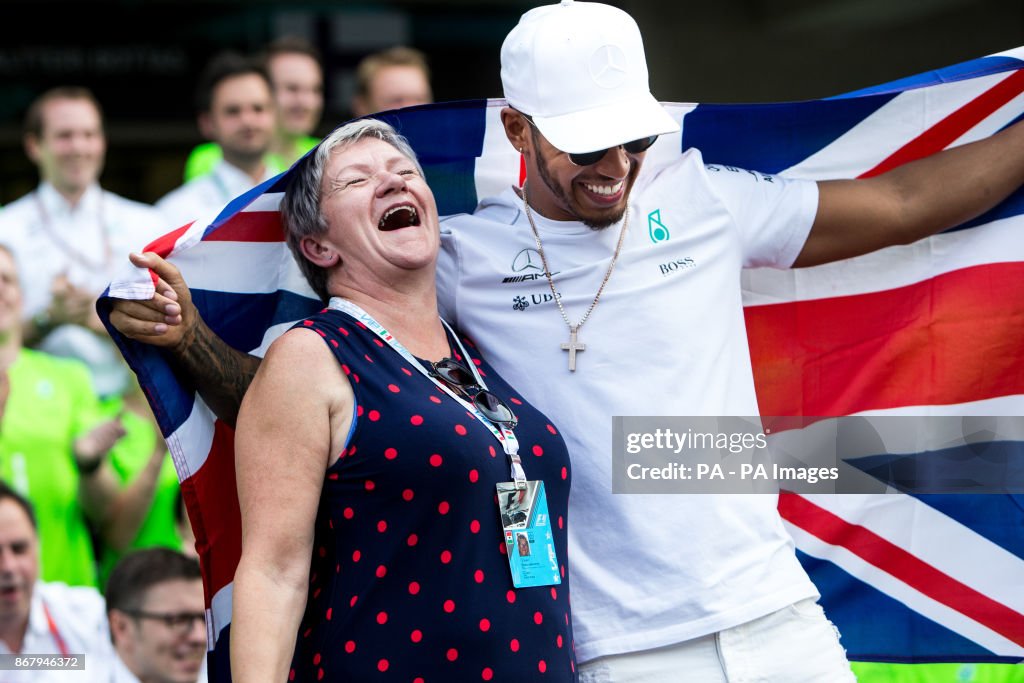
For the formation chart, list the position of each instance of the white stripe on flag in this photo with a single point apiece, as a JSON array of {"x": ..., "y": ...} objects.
[
  {"x": 272, "y": 333},
  {"x": 890, "y": 128},
  {"x": 242, "y": 268},
  {"x": 1010, "y": 406},
  {"x": 498, "y": 166},
  {"x": 935, "y": 539},
  {"x": 899, "y": 266},
  {"x": 220, "y": 607},
  {"x": 268, "y": 201},
  {"x": 190, "y": 443},
  {"x": 896, "y": 589},
  {"x": 993, "y": 123}
]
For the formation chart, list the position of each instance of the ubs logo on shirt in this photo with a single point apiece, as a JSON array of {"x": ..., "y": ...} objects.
[{"x": 521, "y": 303}]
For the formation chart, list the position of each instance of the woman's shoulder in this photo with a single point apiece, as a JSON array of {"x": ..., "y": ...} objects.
[
  {"x": 297, "y": 348},
  {"x": 302, "y": 338}
]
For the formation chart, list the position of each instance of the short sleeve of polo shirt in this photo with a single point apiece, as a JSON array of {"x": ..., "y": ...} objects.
[
  {"x": 773, "y": 215},
  {"x": 448, "y": 273}
]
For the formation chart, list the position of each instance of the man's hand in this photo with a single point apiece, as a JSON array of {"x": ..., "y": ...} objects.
[
  {"x": 92, "y": 447},
  {"x": 69, "y": 304},
  {"x": 201, "y": 359},
  {"x": 168, "y": 318}
]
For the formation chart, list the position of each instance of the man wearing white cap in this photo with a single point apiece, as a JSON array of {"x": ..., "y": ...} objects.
[
  {"x": 625, "y": 321},
  {"x": 665, "y": 587}
]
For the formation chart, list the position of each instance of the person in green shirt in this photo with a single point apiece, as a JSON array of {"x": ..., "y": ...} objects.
[
  {"x": 297, "y": 79},
  {"x": 53, "y": 446},
  {"x": 142, "y": 455},
  {"x": 139, "y": 458},
  {"x": 879, "y": 672}
]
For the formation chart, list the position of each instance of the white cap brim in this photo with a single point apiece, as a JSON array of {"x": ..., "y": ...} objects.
[{"x": 608, "y": 125}]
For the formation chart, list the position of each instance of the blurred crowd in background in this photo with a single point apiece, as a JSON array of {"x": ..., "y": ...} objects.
[{"x": 89, "y": 500}]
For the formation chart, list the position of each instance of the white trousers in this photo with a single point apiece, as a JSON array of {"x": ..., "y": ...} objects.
[{"x": 797, "y": 644}]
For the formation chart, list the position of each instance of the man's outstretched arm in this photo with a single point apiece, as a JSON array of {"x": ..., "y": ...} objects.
[
  {"x": 914, "y": 200},
  {"x": 220, "y": 373}
]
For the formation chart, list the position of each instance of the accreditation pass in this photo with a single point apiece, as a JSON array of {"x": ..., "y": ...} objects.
[{"x": 529, "y": 542}]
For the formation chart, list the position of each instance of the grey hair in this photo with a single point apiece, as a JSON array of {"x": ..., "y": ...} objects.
[{"x": 301, "y": 216}]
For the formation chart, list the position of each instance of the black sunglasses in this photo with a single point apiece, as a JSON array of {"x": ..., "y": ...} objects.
[
  {"x": 458, "y": 375},
  {"x": 589, "y": 158},
  {"x": 632, "y": 147}
]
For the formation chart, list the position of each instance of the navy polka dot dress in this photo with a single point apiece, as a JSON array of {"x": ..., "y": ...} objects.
[{"x": 409, "y": 580}]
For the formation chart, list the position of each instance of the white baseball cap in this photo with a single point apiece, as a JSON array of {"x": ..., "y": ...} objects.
[{"x": 578, "y": 69}]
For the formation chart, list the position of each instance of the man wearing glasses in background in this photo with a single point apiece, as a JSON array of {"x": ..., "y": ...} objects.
[
  {"x": 157, "y": 618},
  {"x": 154, "y": 606}
]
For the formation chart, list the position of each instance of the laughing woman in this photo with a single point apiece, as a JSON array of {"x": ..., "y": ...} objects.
[{"x": 369, "y": 447}]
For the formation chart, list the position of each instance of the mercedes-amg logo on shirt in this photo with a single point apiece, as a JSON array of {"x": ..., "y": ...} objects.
[
  {"x": 530, "y": 266},
  {"x": 608, "y": 66},
  {"x": 527, "y": 259}
]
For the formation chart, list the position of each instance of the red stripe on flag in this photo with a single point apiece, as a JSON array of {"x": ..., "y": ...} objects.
[
  {"x": 951, "y": 339},
  {"x": 249, "y": 226},
  {"x": 211, "y": 499},
  {"x": 939, "y": 136},
  {"x": 902, "y": 565},
  {"x": 163, "y": 245}
]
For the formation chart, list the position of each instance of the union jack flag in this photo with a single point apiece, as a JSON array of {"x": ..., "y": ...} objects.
[{"x": 932, "y": 328}]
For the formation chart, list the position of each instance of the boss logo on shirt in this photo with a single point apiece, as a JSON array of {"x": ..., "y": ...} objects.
[{"x": 676, "y": 266}]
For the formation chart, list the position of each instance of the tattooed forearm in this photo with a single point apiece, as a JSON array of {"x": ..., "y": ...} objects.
[{"x": 220, "y": 373}]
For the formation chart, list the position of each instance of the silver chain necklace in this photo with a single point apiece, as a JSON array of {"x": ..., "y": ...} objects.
[{"x": 574, "y": 345}]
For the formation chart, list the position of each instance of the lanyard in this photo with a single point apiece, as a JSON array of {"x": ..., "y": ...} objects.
[
  {"x": 503, "y": 434},
  {"x": 54, "y": 235},
  {"x": 62, "y": 647},
  {"x": 222, "y": 186}
]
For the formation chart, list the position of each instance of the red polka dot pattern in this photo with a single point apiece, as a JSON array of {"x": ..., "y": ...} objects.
[{"x": 413, "y": 560}]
